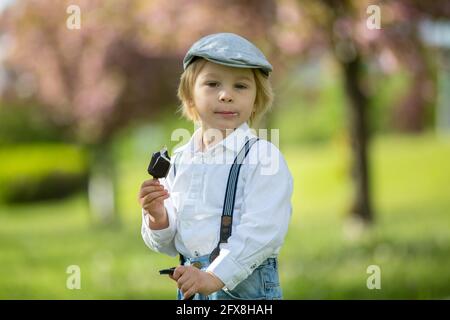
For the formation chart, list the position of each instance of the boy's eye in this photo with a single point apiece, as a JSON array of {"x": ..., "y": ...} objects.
[{"x": 212, "y": 84}]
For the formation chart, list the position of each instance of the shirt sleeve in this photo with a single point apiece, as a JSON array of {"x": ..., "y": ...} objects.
[
  {"x": 161, "y": 240},
  {"x": 265, "y": 215}
]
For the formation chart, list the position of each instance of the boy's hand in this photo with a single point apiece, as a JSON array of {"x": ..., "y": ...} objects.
[
  {"x": 191, "y": 280},
  {"x": 151, "y": 198}
]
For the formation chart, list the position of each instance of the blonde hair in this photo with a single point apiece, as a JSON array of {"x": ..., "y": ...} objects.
[{"x": 263, "y": 100}]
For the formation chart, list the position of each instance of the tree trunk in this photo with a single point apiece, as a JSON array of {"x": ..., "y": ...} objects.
[
  {"x": 348, "y": 57},
  {"x": 102, "y": 184},
  {"x": 359, "y": 137}
]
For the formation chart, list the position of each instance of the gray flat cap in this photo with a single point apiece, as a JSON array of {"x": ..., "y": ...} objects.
[{"x": 230, "y": 50}]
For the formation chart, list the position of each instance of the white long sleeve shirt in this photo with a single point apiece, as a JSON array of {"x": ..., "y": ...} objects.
[{"x": 261, "y": 213}]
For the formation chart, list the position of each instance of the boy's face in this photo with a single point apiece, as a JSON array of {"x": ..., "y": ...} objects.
[{"x": 224, "y": 96}]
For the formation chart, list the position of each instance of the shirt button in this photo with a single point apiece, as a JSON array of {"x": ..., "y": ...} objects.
[{"x": 196, "y": 253}]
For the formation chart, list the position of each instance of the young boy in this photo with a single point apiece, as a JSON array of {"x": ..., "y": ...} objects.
[{"x": 229, "y": 204}]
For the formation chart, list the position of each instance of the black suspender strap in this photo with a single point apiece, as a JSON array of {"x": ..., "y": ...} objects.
[{"x": 230, "y": 197}]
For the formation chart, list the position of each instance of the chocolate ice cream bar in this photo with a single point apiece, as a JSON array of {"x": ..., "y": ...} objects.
[{"x": 159, "y": 164}]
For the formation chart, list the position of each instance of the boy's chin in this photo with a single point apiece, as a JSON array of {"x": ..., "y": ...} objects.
[
  {"x": 224, "y": 126},
  {"x": 227, "y": 128}
]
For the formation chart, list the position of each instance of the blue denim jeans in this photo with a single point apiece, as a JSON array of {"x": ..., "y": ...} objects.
[{"x": 262, "y": 284}]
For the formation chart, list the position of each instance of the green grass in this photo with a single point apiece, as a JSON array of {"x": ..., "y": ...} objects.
[
  {"x": 26, "y": 168},
  {"x": 324, "y": 256},
  {"x": 37, "y": 159}
]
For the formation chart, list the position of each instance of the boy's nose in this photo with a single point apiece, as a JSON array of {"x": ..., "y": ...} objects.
[{"x": 225, "y": 97}]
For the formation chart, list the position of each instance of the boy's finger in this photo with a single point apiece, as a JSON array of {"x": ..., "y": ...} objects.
[
  {"x": 184, "y": 281},
  {"x": 147, "y": 205},
  {"x": 150, "y": 182},
  {"x": 188, "y": 294},
  {"x": 160, "y": 198},
  {"x": 188, "y": 284},
  {"x": 154, "y": 195},
  {"x": 178, "y": 272},
  {"x": 147, "y": 190}
]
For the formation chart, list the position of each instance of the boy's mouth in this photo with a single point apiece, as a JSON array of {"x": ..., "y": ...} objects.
[{"x": 227, "y": 113}]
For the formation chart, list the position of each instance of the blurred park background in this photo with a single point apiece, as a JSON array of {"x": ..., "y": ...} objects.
[{"x": 88, "y": 92}]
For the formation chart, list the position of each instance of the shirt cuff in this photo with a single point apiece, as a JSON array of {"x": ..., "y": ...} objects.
[
  {"x": 162, "y": 235},
  {"x": 228, "y": 270}
]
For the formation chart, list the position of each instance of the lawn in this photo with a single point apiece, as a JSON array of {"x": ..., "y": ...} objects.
[{"x": 325, "y": 255}]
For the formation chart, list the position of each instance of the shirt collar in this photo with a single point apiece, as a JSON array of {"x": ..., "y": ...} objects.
[{"x": 233, "y": 142}]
